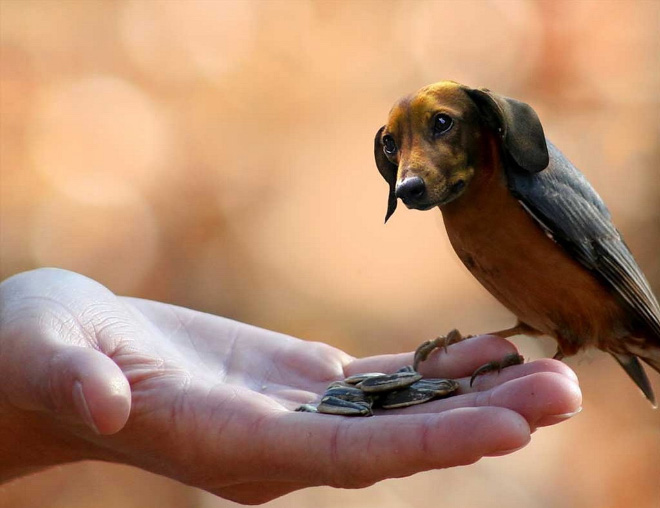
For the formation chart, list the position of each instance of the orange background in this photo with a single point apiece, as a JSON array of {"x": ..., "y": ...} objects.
[{"x": 218, "y": 155}]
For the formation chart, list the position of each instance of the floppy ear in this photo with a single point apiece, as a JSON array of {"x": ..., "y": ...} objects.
[
  {"x": 521, "y": 129},
  {"x": 388, "y": 170}
]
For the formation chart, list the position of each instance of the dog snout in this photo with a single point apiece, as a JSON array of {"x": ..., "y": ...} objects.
[{"x": 411, "y": 190}]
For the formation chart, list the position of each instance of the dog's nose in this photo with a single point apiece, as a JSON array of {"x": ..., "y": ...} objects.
[{"x": 410, "y": 190}]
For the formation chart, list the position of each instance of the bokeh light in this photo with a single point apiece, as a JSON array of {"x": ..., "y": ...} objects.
[
  {"x": 98, "y": 138},
  {"x": 177, "y": 40},
  {"x": 218, "y": 154},
  {"x": 114, "y": 243}
]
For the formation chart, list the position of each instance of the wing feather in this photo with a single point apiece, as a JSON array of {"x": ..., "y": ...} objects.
[{"x": 570, "y": 211}]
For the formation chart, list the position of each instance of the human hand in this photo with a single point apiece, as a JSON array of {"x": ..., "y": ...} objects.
[{"x": 208, "y": 401}]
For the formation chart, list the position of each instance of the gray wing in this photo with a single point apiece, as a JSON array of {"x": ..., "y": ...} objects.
[{"x": 570, "y": 211}]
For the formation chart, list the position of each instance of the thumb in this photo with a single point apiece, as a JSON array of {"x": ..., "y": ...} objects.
[
  {"x": 70, "y": 381},
  {"x": 85, "y": 383},
  {"x": 49, "y": 358}
]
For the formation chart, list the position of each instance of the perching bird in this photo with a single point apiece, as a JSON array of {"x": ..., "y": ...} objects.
[{"x": 523, "y": 220}]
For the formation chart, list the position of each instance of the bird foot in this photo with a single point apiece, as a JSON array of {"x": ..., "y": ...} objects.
[
  {"x": 507, "y": 361},
  {"x": 444, "y": 341}
]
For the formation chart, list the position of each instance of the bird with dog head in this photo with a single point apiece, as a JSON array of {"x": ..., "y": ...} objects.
[{"x": 523, "y": 220}]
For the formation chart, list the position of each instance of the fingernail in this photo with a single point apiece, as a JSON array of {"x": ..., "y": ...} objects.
[
  {"x": 566, "y": 416},
  {"x": 82, "y": 407},
  {"x": 551, "y": 420},
  {"x": 506, "y": 452}
]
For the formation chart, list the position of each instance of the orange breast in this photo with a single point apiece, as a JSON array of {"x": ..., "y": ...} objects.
[{"x": 528, "y": 272}]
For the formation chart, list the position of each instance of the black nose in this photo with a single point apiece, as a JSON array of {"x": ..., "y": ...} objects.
[{"x": 410, "y": 190}]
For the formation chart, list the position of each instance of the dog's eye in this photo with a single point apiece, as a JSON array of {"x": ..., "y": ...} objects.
[
  {"x": 389, "y": 146},
  {"x": 442, "y": 123}
]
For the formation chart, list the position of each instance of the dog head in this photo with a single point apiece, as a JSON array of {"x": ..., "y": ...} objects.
[{"x": 430, "y": 149}]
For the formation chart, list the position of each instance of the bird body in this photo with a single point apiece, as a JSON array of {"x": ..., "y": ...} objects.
[
  {"x": 519, "y": 264},
  {"x": 523, "y": 220}
]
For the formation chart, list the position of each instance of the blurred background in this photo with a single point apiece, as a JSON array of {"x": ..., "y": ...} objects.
[{"x": 218, "y": 155}]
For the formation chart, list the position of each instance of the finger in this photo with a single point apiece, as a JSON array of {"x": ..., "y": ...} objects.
[
  {"x": 52, "y": 321},
  {"x": 353, "y": 453},
  {"x": 257, "y": 492},
  {"x": 100, "y": 393},
  {"x": 490, "y": 380},
  {"x": 73, "y": 381},
  {"x": 542, "y": 398},
  {"x": 461, "y": 359}
]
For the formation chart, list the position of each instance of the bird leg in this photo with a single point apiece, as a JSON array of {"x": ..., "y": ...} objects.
[
  {"x": 454, "y": 336},
  {"x": 559, "y": 355},
  {"x": 519, "y": 329}
]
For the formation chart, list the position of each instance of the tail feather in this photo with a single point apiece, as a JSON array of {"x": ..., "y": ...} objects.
[
  {"x": 654, "y": 363},
  {"x": 631, "y": 365}
]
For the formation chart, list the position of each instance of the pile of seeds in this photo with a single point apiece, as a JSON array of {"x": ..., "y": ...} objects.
[{"x": 358, "y": 395}]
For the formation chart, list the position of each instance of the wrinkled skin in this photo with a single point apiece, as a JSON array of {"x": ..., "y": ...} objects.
[{"x": 208, "y": 401}]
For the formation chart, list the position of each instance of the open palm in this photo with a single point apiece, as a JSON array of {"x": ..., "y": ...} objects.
[{"x": 209, "y": 401}]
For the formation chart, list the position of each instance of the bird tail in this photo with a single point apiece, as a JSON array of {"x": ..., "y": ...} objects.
[
  {"x": 631, "y": 365},
  {"x": 654, "y": 363}
]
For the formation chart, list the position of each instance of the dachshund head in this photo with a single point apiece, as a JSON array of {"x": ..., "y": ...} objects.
[{"x": 432, "y": 145}]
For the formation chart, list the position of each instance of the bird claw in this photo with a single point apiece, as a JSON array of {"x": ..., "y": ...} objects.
[
  {"x": 444, "y": 341},
  {"x": 507, "y": 361}
]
